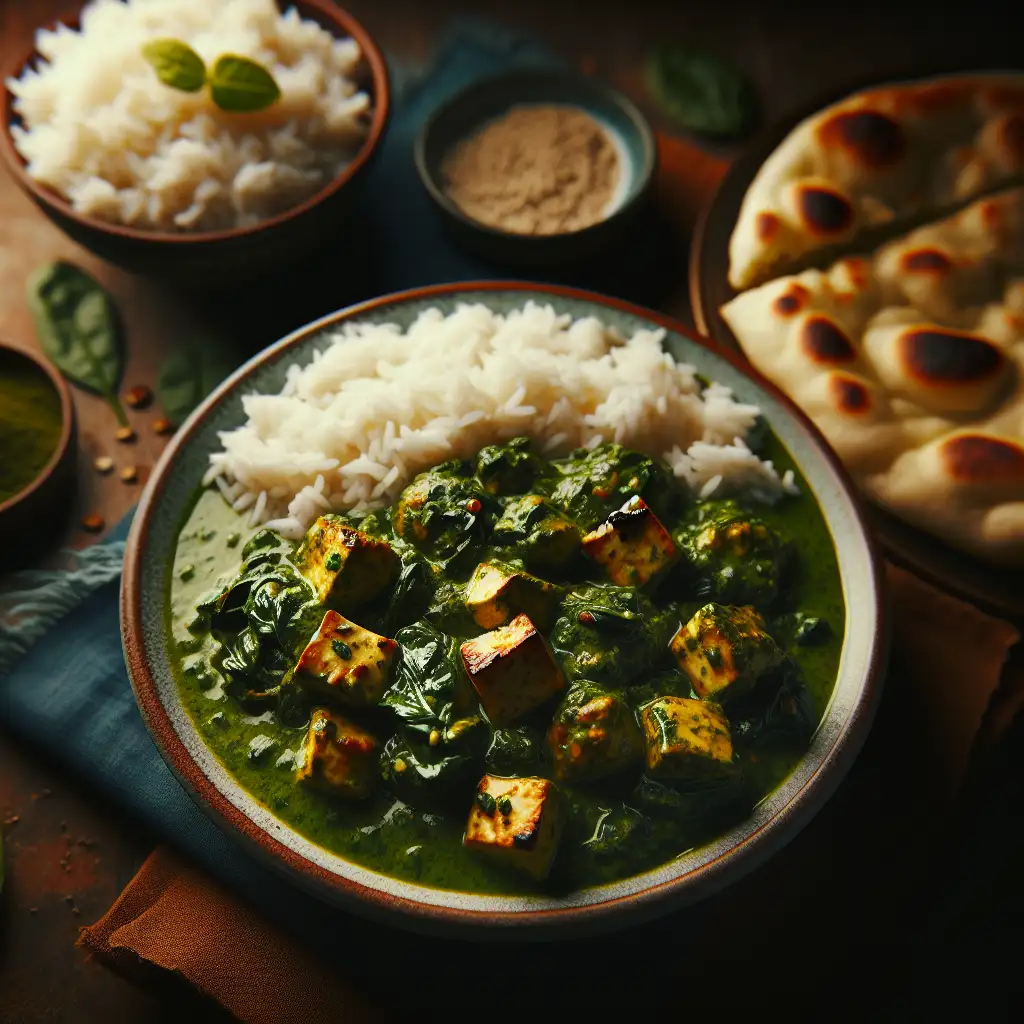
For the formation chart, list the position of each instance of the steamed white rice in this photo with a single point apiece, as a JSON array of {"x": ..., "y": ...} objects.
[
  {"x": 103, "y": 131},
  {"x": 379, "y": 405}
]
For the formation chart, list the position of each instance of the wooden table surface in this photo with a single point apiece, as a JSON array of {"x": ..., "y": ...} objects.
[{"x": 69, "y": 854}]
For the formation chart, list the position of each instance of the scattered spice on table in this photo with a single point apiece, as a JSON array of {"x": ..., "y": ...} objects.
[
  {"x": 538, "y": 170},
  {"x": 139, "y": 397},
  {"x": 129, "y": 474},
  {"x": 104, "y": 464},
  {"x": 30, "y": 422},
  {"x": 93, "y": 523},
  {"x": 125, "y": 435},
  {"x": 163, "y": 426}
]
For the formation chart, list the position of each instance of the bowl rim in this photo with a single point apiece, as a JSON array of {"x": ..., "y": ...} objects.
[
  {"x": 67, "y": 411},
  {"x": 632, "y": 908},
  {"x": 343, "y": 23},
  {"x": 635, "y": 115}
]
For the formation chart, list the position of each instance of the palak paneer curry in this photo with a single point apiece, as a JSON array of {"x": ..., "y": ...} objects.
[{"x": 527, "y": 674}]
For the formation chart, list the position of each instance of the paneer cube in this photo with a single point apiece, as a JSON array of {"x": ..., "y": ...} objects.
[
  {"x": 594, "y": 734},
  {"x": 346, "y": 663},
  {"x": 631, "y": 545},
  {"x": 724, "y": 650},
  {"x": 497, "y": 594},
  {"x": 686, "y": 739},
  {"x": 346, "y": 566},
  {"x": 338, "y": 756},
  {"x": 512, "y": 670},
  {"x": 543, "y": 536},
  {"x": 517, "y": 822}
]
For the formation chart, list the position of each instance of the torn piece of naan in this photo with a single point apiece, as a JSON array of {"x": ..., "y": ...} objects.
[
  {"x": 911, "y": 362},
  {"x": 882, "y": 156}
]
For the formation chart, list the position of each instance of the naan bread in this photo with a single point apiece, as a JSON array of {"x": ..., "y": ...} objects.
[
  {"x": 877, "y": 157},
  {"x": 911, "y": 362}
]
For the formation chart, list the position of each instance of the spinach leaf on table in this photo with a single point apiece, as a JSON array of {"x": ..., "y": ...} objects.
[
  {"x": 702, "y": 92},
  {"x": 191, "y": 372},
  {"x": 79, "y": 329}
]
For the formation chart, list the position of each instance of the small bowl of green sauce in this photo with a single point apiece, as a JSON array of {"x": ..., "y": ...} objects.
[{"x": 37, "y": 452}]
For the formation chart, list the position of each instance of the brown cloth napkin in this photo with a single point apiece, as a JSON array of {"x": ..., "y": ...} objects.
[{"x": 947, "y": 662}]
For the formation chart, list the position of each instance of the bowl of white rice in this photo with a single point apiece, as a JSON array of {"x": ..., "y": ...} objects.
[{"x": 164, "y": 181}]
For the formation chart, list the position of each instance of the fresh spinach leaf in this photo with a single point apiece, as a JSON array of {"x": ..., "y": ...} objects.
[
  {"x": 191, "y": 372},
  {"x": 241, "y": 85},
  {"x": 176, "y": 64},
  {"x": 702, "y": 92},
  {"x": 78, "y": 329}
]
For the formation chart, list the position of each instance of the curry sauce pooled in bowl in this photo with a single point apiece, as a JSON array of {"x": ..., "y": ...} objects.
[{"x": 546, "y": 661}]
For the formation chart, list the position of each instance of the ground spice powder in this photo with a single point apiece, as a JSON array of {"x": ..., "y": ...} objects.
[{"x": 535, "y": 171}]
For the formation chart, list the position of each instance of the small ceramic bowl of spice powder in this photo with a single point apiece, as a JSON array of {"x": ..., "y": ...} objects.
[
  {"x": 37, "y": 454},
  {"x": 537, "y": 167}
]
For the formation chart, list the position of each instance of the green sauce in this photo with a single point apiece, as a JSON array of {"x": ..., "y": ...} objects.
[
  {"x": 616, "y": 828},
  {"x": 30, "y": 422}
]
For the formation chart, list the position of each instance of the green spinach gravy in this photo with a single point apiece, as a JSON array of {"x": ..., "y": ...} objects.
[{"x": 643, "y": 666}]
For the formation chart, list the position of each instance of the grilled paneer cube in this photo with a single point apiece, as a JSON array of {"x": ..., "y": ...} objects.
[
  {"x": 686, "y": 739},
  {"x": 594, "y": 734},
  {"x": 338, "y": 756},
  {"x": 346, "y": 663},
  {"x": 517, "y": 822},
  {"x": 631, "y": 545},
  {"x": 346, "y": 566},
  {"x": 512, "y": 670},
  {"x": 497, "y": 593},
  {"x": 544, "y": 537},
  {"x": 724, "y": 650}
]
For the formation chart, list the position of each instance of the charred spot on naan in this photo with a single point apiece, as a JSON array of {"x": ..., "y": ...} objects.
[
  {"x": 850, "y": 395},
  {"x": 823, "y": 210},
  {"x": 925, "y": 261},
  {"x": 1011, "y": 135},
  {"x": 941, "y": 357},
  {"x": 766, "y": 227},
  {"x": 982, "y": 459},
  {"x": 791, "y": 301},
  {"x": 934, "y": 98},
  {"x": 1002, "y": 97},
  {"x": 873, "y": 139},
  {"x": 825, "y": 342}
]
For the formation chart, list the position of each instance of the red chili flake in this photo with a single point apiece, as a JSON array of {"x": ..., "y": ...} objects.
[
  {"x": 601, "y": 492},
  {"x": 93, "y": 523},
  {"x": 586, "y": 618},
  {"x": 139, "y": 397},
  {"x": 473, "y": 505},
  {"x": 163, "y": 426},
  {"x": 125, "y": 435}
]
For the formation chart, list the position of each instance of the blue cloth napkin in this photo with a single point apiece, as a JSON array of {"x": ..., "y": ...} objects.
[{"x": 70, "y": 696}]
